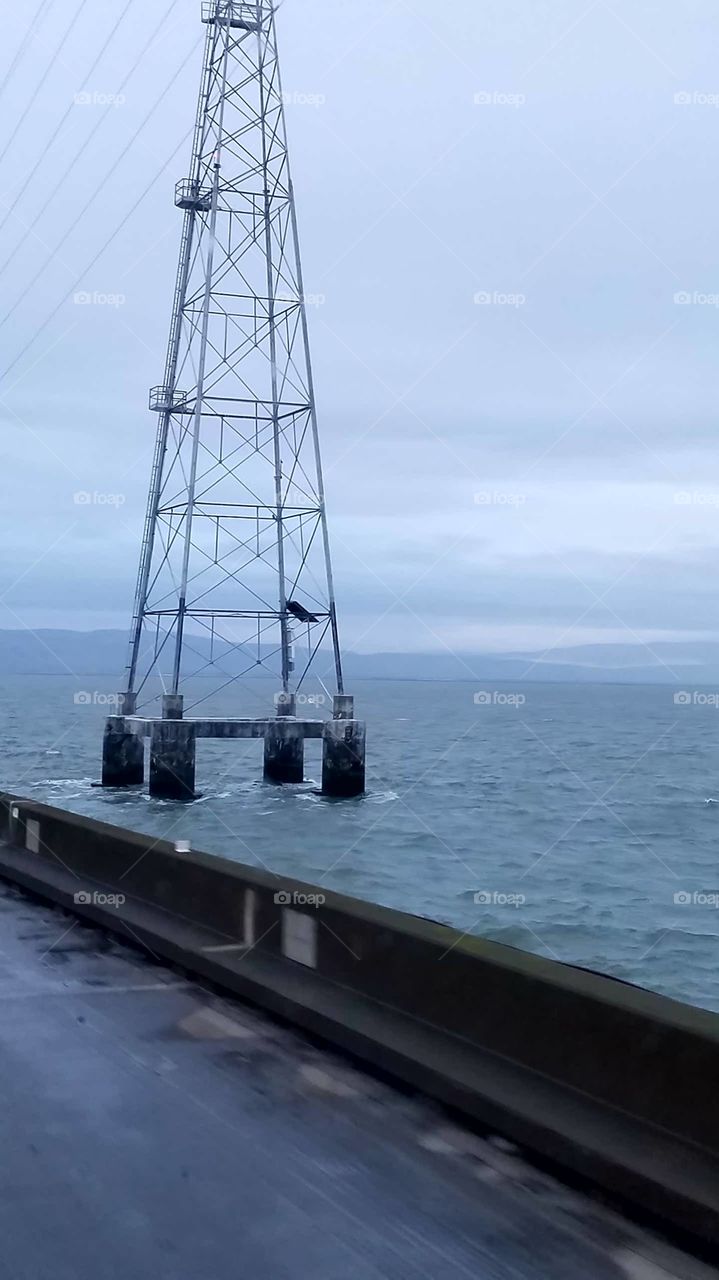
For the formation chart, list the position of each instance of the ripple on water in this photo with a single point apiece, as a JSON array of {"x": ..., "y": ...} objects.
[{"x": 442, "y": 821}]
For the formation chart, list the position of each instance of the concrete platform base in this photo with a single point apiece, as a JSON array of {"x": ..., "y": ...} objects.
[{"x": 173, "y": 742}]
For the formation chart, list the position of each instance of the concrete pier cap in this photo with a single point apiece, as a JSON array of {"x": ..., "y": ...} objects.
[
  {"x": 172, "y": 706},
  {"x": 343, "y": 707},
  {"x": 286, "y": 704}
]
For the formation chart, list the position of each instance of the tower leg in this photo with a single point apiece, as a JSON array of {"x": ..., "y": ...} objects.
[
  {"x": 284, "y": 751},
  {"x": 123, "y": 754},
  {"x": 172, "y": 760},
  {"x": 343, "y": 757}
]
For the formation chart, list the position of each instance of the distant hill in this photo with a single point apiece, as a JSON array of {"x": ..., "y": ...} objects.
[{"x": 50, "y": 652}]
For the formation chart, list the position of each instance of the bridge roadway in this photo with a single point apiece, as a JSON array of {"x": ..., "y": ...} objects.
[{"x": 151, "y": 1128}]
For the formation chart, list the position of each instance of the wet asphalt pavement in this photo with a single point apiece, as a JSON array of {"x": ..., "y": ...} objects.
[{"x": 152, "y": 1128}]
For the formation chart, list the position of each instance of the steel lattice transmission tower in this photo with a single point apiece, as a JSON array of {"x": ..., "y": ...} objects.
[{"x": 235, "y": 547}]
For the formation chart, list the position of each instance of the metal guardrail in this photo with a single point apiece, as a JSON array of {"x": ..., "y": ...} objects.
[{"x": 248, "y": 16}]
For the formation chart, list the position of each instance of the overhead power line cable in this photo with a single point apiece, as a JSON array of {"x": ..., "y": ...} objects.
[
  {"x": 27, "y": 38},
  {"x": 41, "y": 82},
  {"x": 48, "y": 319},
  {"x": 98, "y": 125},
  {"x": 100, "y": 187},
  {"x": 70, "y": 107}
]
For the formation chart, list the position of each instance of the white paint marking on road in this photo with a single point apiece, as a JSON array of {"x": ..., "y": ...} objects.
[
  {"x": 327, "y": 1082},
  {"x": 210, "y": 1024},
  {"x": 231, "y": 946},
  {"x": 84, "y": 990},
  {"x": 680, "y": 1267}
]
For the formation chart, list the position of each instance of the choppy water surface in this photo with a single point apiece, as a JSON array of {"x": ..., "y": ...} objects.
[{"x": 586, "y": 818}]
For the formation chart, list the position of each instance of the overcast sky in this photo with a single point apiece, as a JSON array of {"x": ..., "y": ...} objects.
[{"x": 508, "y": 219}]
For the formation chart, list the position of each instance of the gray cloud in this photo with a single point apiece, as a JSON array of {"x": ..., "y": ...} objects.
[{"x": 591, "y": 199}]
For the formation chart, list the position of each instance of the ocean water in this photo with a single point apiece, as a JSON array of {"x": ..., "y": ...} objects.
[{"x": 578, "y": 822}]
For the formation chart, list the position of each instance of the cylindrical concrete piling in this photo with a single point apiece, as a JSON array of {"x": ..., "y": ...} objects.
[
  {"x": 284, "y": 751},
  {"x": 123, "y": 754},
  {"x": 343, "y": 757},
  {"x": 172, "y": 760}
]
